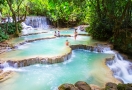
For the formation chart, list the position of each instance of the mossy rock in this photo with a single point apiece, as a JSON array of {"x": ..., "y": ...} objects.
[
  {"x": 124, "y": 86},
  {"x": 111, "y": 86},
  {"x": 67, "y": 86},
  {"x": 81, "y": 85}
]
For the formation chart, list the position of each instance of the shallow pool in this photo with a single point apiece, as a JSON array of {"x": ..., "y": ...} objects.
[
  {"x": 82, "y": 66},
  {"x": 49, "y": 77}
]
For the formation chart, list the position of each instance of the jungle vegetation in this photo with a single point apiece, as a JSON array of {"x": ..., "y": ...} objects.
[{"x": 109, "y": 20}]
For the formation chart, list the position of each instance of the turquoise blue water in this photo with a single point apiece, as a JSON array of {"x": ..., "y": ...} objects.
[
  {"x": 49, "y": 33},
  {"x": 47, "y": 47},
  {"x": 49, "y": 77},
  {"x": 83, "y": 65}
]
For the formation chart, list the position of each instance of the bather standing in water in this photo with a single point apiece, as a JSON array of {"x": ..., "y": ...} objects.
[
  {"x": 67, "y": 43},
  {"x": 55, "y": 34},
  {"x": 75, "y": 34},
  {"x": 58, "y": 34}
]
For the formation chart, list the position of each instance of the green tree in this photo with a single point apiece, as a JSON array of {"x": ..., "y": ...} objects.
[{"x": 15, "y": 7}]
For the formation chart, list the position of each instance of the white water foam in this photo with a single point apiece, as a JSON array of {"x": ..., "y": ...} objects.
[
  {"x": 12, "y": 69},
  {"x": 121, "y": 68}
]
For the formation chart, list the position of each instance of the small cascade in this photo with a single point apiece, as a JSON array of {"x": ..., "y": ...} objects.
[
  {"x": 44, "y": 61},
  {"x": 37, "y": 22},
  {"x": 24, "y": 26},
  {"x": 8, "y": 64},
  {"x": 5, "y": 65},
  {"x": 102, "y": 49},
  {"x": 122, "y": 69}
]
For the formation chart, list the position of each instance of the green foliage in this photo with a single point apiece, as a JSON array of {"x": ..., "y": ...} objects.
[
  {"x": 121, "y": 87},
  {"x": 60, "y": 11},
  {"x": 101, "y": 29},
  {"x": 123, "y": 41},
  {"x": 111, "y": 20},
  {"x": 3, "y": 36},
  {"x": 2, "y": 1},
  {"x": 7, "y": 29},
  {"x": 107, "y": 17},
  {"x": 11, "y": 28}
]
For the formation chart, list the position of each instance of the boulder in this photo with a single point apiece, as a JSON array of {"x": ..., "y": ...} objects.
[
  {"x": 111, "y": 86},
  {"x": 67, "y": 86},
  {"x": 81, "y": 85}
]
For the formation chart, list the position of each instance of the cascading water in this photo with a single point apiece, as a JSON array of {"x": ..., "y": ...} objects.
[
  {"x": 24, "y": 26},
  {"x": 37, "y": 22},
  {"x": 122, "y": 69}
]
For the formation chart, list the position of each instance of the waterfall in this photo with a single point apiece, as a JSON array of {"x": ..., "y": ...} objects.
[
  {"x": 37, "y": 22},
  {"x": 122, "y": 69}
]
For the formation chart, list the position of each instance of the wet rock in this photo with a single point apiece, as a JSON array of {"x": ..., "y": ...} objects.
[
  {"x": 44, "y": 60},
  {"x": 80, "y": 46},
  {"x": 91, "y": 48},
  {"x": 67, "y": 86},
  {"x": 50, "y": 61},
  {"x": 56, "y": 59},
  {"x": 65, "y": 57},
  {"x": 37, "y": 60},
  {"x": 87, "y": 47},
  {"x": 111, "y": 86},
  {"x": 65, "y": 35},
  {"x": 24, "y": 62},
  {"x": 60, "y": 59},
  {"x": 81, "y": 85},
  {"x": 10, "y": 63},
  {"x": 73, "y": 47}
]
